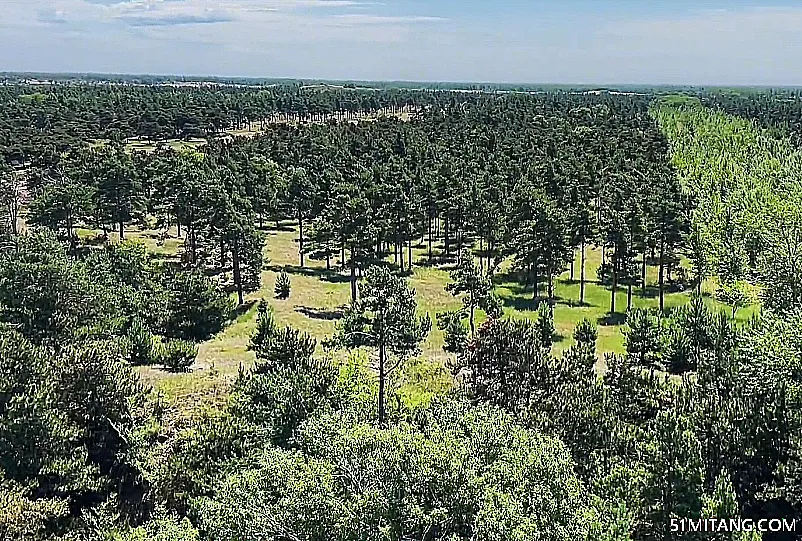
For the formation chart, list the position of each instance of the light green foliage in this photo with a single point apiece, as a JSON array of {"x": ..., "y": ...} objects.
[
  {"x": 746, "y": 182},
  {"x": 737, "y": 294},
  {"x": 23, "y": 517},
  {"x": 163, "y": 529},
  {"x": 178, "y": 355},
  {"x": 485, "y": 478},
  {"x": 140, "y": 346},
  {"x": 455, "y": 333}
]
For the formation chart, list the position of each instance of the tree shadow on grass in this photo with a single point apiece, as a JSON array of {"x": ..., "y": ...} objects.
[
  {"x": 316, "y": 313},
  {"x": 330, "y": 276},
  {"x": 242, "y": 309},
  {"x": 610, "y": 320}
]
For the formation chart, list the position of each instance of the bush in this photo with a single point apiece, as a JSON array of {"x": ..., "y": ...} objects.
[
  {"x": 197, "y": 307},
  {"x": 282, "y": 288},
  {"x": 178, "y": 355},
  {"x": 140, "y": 345},
  {"x": 585, "y": 334},
  {"x": 454, "y": 330}
]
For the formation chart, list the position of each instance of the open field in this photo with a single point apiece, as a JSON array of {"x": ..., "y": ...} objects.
[{"x": 318, "y": 297}]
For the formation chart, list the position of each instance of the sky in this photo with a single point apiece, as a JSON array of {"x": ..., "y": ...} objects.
[{"x": 684, "y": 42}]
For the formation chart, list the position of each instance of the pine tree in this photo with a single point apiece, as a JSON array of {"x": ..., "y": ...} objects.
[
  {"x": 471, "y": 283},
  {"x": 282, "y": 288},
  {"x": 384, "y": 318}
]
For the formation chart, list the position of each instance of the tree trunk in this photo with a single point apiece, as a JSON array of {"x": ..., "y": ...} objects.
[
  {"x": 401, "y": 257},
  {"x": 573, "y": 258},
  {"x": 193, "y": 245},
  {"x": 430, "y": 239},
  {"x": 629, "y": 295},
  {"x": 382, "y": 377},
  {"x": 446, "y": 235},
  {"x": 536, "y": 279},
  {"x": 615, "y": 283},
  {"x": 551, "y": 286},
  {"x": 70, "y": 236},
  {"x": 237, "y": 274},
  {"x": 470, "y": 318},
  {"x": 353, "y": 276},
  {"x": 301, "y": 238},
  {"x": 661, "y": 271},
  {"x": 122, "y": 230},
  {"x": 582, "y": 275},
  {"x": 409, "y": 254},
  {"x": 643, "y": 277}
]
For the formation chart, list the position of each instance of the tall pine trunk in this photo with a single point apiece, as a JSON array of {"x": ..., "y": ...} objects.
[
  {"x": 582, "y": 275},
  {"x": 573, "y": 260},
  {"x": 382, "y": 377},
  {"x": 615, "y": 281},
  {"x": 430, "y": 238},
  {"x": 661, "y": 277},
  {"x": 353, "y": 276},
  {"x": 237, "y": 274},
  {"x": 301, "y": 237},
  {"x": 643, "y": 276}
]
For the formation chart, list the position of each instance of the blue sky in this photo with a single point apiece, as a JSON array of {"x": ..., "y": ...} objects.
[{"x": 701, "y": 42}]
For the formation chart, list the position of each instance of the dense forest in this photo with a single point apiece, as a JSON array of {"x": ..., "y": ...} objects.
[{"x": 461, "y": 315}]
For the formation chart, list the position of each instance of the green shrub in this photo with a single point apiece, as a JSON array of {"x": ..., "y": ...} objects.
[
  {"x": 178, "y": 355},
  {"x": 282, "y": 288},
  {"x": 197, "y": 307},
  {"x": 140, "y": 345}
]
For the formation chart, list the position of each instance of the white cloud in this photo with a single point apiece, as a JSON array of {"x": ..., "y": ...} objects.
[{"x": 372, "y": 40}]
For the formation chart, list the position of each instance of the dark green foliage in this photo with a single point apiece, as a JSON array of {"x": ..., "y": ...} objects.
[
  {"x": 80, "y": 409},
  {"x": 292, "y": 453},
  {"x": 140, "y": 346},
  {"x": 129, "y": 271},
  {"x": 49, "y": 297},
  {"x": 642, "y": 337},
  {"x": 178, "y": 355},
  {"x": 197, "y": 308},
  {"x": 283, "y": 285},
  {"x": 586, "y": 334},
  {"x": 505, "y": 360},
  {"x": 287, "y": 384},
  {"x": 279, "y": 347},
  {"x": 454, "y": 330},
  {"x": 475, "y": 288},
  {"x": 545, "y": 325}
]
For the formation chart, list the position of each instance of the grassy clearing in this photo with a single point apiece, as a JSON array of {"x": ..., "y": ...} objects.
[{"x": 319, "y": 296}]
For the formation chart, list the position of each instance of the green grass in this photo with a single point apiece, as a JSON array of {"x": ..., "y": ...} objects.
[{"x": 318, "y": 296}]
